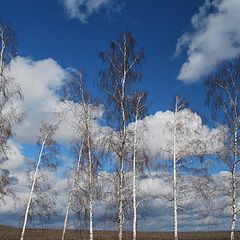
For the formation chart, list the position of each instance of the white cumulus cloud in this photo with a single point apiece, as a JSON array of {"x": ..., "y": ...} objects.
[
  {"x": 195, "y": 138},
  {"x": 39, "y": 81},
  {"x": 84, "y": 9},
  {"x": 215, "y": 36},
  {"x": 15, "y": 157},
  {"x": 195, "y": 216}
]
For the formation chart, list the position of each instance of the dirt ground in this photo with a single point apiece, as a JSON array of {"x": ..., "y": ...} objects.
[{"x": 9, "y": 233}]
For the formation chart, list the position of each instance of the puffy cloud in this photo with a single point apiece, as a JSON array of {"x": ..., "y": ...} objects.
[
  {"x": 83, "y": 9},
  {"x": 156, "y": 187},
  {"x": 196, "y": 215},
  {"x": 215, "y": 36},
  {"x": 15, "y": 157},
  {"x": 194, "y": 138},
  {"x": 22, "y": 192},
  {"x": 39, "y": 81},
  {"x": 73, "y": 115}
]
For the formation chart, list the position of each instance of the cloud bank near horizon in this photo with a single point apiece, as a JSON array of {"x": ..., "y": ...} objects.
[{"x": 195, "y": 217}]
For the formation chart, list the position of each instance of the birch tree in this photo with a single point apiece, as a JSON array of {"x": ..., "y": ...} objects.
[
  {"x": 178, "y": 106},
  {"x": 85, "y": 112},
  {"x": 70, "y": 194},
  {"x": 43, "y": 203},
  {"x": 137, "y": 153},
  {"x": 9, "y": 92},
  {"x": 185, "y": 147},
  {"x": 223, "y": 98},
  {"x": 122, "y": 69},
  {"x": 46, "y": 158}
]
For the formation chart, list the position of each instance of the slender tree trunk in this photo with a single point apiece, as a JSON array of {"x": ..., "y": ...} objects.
[
  {"x": 1, "y": 58},
  {"x": 121, "y": 178},
  {"x": 175, "y": 209},
  {"x": 175, "y": 198},
  {"x": 32, "y": 189},
  {"x": 123, "y": 142},
  {"x": 234, "y": 189},
  {"x": 90, "y": 166},
  {"x": 90, "y": 191},
  {"x": 134, "y": 174},
  {"x": 120, "y": 213},
  {"x": 120, "y": 191},
  {"x": 90, "y": 217},
  {"x": 1, "y": 54},
  {"x": 71, "y": 192},
  {"x": 134, "y": 193},
  {"x": 234, "y": 206}
]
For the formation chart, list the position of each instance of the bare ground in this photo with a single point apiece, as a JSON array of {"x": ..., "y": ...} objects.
[{"x": 9, "y": 233}]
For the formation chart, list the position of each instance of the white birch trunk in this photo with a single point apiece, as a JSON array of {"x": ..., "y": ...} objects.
[
  {"x": 1, "y": 55},
  {"x": 120, "y": 213},
  {"x": 234, "y": 207},
  {"x": 175, "y": 207},
  {"x": 32, "y": 189},
  {"x": 135, "y": 205},
  {"x": 71, "y": 192},
  {"x": 175, "y": 186},
  {"x": 90, "y": 191},
  {"x": 234, "y": 189},
  {"x": 90, "y": 165},
  {"x": 134, "y": 181}
]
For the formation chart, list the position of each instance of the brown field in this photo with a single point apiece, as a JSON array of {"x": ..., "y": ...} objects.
[{"x": 9, "y": 233}]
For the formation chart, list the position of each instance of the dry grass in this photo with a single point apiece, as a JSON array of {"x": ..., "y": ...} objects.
[{"x": 9, "y": 233}]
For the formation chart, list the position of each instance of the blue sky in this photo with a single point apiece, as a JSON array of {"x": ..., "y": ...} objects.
[
  {"x": 183, "y": 42},
  {"x": 44, "y": 30}
]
